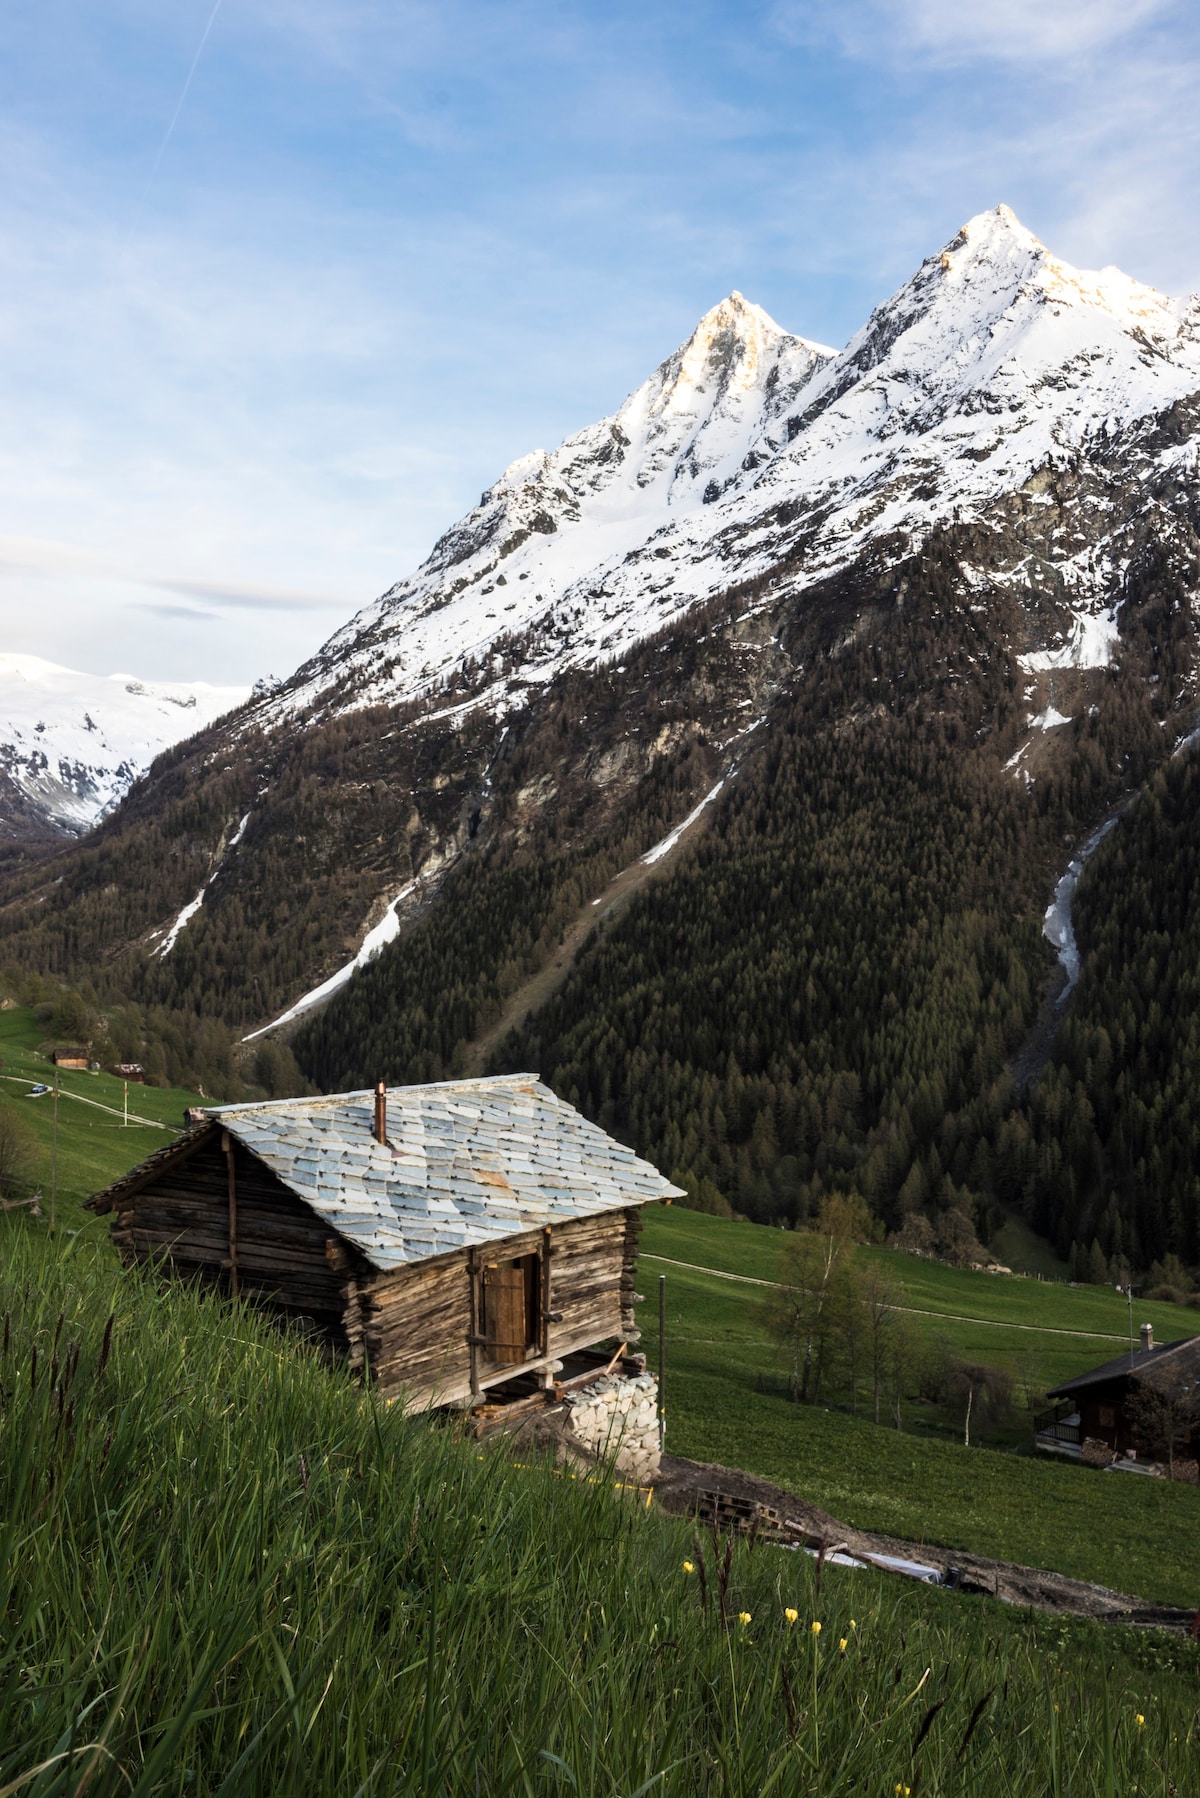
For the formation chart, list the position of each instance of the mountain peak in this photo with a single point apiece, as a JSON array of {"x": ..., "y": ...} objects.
[
  {"x": 998, "y": 224},
  {"x": 732, "y": 331},
  {"x": 996, "y": 244},
  {"x": 993, "y": 359}
]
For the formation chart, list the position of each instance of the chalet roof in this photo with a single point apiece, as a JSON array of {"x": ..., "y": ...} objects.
[
  {"x": 1137, "y": 1366},
  {"x": 466, "y": 1162}
]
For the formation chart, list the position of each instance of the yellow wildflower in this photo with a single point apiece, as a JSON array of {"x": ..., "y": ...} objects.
[
  {"x": 1140, "y": 1721},
  {"x": 743, "y": 1616},
  {"x": 816, "y": 1627},
  {"x": 843, "y": 1644},
  {"x": 791, "y": 1616},
  {"x": 689, "y": 1567},
  {"x": 853, "y": 1624}
]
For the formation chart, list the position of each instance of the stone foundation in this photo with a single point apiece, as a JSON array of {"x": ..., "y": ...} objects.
[{"x": 616, "y": 1419}]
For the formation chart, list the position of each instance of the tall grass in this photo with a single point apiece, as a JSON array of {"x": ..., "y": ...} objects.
[{"x": 225, "y": 1570}]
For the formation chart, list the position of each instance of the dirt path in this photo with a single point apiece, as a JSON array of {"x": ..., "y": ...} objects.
[
  {"x": 681, "y": 1482},
  {"x": 541, "y": 985},
  {"x": 954, "y": 1317}
]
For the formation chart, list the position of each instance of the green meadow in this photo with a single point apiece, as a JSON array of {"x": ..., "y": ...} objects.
[
  {"x": 920, "y": 1483},
  {"x": 225, "y": 1570},
  {"x": 94, "y": 1144}
]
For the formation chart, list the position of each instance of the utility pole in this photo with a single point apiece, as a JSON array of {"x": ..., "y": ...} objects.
[
  {"x": 54, "y": 1159},
  {"x": 662, "y": 1360},
  {"x": 125, "y": 1125}
]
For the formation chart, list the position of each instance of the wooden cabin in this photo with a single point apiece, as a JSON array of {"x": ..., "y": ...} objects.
[
  {"x": 70, "y": 1058},
  {"x": 447, "y": 1237},
  {"x": 1102, "y": 1406}
]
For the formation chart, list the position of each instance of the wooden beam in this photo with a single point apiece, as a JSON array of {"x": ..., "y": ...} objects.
[
  {"x": 544, "y": 1320},
  {"x": 473, "y": 1334}
]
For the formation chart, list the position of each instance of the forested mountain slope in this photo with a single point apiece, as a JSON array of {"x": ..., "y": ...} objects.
[
  {"x": 1111, "y": 1152},
  {"x": 828, "y": 989},
  {"x": 925, "y": 608}
]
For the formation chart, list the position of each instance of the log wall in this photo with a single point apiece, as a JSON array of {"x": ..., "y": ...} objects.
[
  {"x": 286, "y": 1255},
  {"x": 415, "y": 1326},
  {"x": 417, "y": 1329}
]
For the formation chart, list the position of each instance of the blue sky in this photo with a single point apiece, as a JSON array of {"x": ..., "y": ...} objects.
[{"x": 252, "y": 362}]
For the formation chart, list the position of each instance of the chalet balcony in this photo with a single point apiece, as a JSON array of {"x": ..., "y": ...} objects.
[{"x": 1058, "y": 1432}]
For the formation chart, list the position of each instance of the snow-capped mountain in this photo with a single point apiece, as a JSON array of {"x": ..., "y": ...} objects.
[
  {"x": 995, "y": 361},
  {"x": 72, "y": 744},
  {"x": 985, "y": 507}
]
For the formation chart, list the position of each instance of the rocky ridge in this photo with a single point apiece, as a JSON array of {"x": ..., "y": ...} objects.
[{"x": 995, "y": 366}]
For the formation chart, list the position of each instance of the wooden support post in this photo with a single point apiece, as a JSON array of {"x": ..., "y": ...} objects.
[
  {"x": 227, "y": 1145},
  {"x": 662, "y": 1360},
  {"x": 473, "y": 1340},
  {"x": 545, "y": 1294}
]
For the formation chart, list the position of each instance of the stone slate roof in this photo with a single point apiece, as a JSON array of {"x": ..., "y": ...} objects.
[
  {"x": 466, "y": 1162},
  {"x": 1137, "y": 1366}
]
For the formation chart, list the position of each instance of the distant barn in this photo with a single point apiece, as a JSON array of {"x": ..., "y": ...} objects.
[
  {"x": 1104, "y": 1410},
  {"x": 69, "y": 1058},
  {"x": 447, "y": 1237}
]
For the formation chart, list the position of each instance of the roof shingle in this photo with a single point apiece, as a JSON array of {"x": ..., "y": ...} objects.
[{"x": 466, "y": 1162}]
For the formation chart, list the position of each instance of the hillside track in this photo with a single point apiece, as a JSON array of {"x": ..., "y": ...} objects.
[{"x": 955, "y": 1317}]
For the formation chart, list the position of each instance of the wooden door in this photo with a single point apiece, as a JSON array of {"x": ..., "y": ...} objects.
[{"x": 505, "y": 1313}]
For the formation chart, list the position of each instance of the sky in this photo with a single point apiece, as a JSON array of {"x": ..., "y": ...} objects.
[{"x": 284, "y": 284}]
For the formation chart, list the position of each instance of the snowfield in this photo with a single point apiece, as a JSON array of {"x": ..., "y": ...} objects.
[{"x": 74, "y": 743}]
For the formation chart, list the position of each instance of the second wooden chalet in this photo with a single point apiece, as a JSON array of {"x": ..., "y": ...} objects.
[
  {"x": 1101, "y": 1415},
  {"x": 445, "y": 1237}
]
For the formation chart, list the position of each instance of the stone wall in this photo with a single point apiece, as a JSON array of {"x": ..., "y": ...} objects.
[{"x": 616, "y": 1418}]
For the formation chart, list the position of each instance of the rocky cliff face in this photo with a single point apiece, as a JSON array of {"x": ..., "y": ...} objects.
[{"x": 1009, "y": 442}]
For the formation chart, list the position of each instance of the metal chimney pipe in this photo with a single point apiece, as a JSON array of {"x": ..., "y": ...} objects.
[
  {"x": 380, "y": 1130},
  {"x": 1147, "y": 1336}
]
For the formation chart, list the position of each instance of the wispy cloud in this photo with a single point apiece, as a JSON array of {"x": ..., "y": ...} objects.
[
  {"x": 253, "y": 599},
  {"x": 1080, "y": 113},
  {"x": 160, "y": 610},
  {"x": 949, "y": 33}
]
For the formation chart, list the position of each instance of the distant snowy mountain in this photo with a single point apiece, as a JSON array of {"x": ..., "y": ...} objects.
[
  {"x": 995, "y": 361},
  {"x": 72, "y": 744}
]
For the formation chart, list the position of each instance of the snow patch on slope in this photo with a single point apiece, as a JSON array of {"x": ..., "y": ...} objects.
[
  {"x": 1090, "y": 643},
  {"x": 1058, "y": 926},
  {"x": 377, "y": 938},
  {"x": 189, "y": 911},
  {"x": 669, "y": 841}
]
